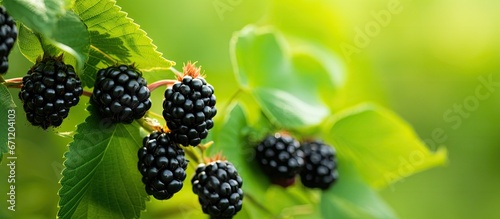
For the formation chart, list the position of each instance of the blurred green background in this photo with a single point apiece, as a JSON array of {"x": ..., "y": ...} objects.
[{"x": 424, "y": 62}]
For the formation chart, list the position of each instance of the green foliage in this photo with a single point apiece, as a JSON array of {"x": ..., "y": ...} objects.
[
  {"x": 96, "y": 33},
  {"x": 56, "y": 30},
  {"x": 40, "y": 16},
  {"x": 100, "y": 177},
  {"x": 285, "y": 82},
  {"x": 115, "y": 38},
  {"x": 351, "y": 197},
  {"x": 6, "y": 103},
  {"x": 379, "y": 144},
  {"x": 277, "y": 79}
]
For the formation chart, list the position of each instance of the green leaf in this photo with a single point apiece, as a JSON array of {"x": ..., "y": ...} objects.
[
  {"x": 350, "y": 197},
  {"x": 100, "y": 178},
  {"x": 39, "y": 15},
  {"x": 29, "y": 44},
  {"x": 381, "y": 146},
  {"x": 286, "y": 109},
  {"x": 115, "y": 38},
  {"x": 6, "y": 104},
  {"x": 70, "y": 35},
  {"x": 282, "y": 79}
]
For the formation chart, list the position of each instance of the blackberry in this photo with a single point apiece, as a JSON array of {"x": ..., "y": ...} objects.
[
  {"x": 320, "y": 169},
  {"x": 280, "y": 158},
  {"x": 49, "y": 90},
  {"x": 8, "y": 36},
  {"x": 218, "y": 186},
  {"x": 121, "y": 93},
  {"x": 162, "y": 165},
  {"x": 189, "y": 107}
]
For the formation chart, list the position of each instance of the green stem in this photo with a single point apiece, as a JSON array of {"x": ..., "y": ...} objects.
[
  {"x": 231, "y": 99},
  {"x": 190, "y": 152},
  {"x": 148, "y": 126},
  {"x": 155, "y": 115},
  {"x": 258, "y": 203},
  {"x": 175, "y": 71}
]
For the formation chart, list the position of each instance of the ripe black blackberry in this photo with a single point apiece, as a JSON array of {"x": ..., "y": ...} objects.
[
  {"x": 320, "y": 169},
  {"x": 189, "y": 107},
  {"x": 49, "y": 90},
  {"x": 162, "y": 165},
  {"x": 8, "y": 36},
  {"x": 218, "y": 186},
  {"x": 280, "y": 158},
  {"x": 121, "y": 93}
]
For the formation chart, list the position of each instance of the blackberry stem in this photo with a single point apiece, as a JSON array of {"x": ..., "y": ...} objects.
[
  {"x": 155, "y": 114},
  {"x": 13, "y": 82},
  {"x": 87, "y": 93},
  {"x": 149, "y": 124},
  {"x": 193, "y": 155},
  {"x": 157, "y": 84}
]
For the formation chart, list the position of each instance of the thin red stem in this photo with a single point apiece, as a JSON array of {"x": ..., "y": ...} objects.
[
  {"x": 87, "y": 93},
  {"x": 160, "y": 83},
  {"x": 14, "y": 82}
]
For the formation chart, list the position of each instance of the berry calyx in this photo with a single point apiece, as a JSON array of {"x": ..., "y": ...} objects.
[
  {"x": 280, "y": 158},
  {"x": 121, "y": 93},
  {"x": 49, "y": 90},
  {"x": 320, "y": 169},
  {"x": 8, "y": 36},
  {"x": 162, "y": 165},
  {"x": 189, "y": 106},
  {"x": 218, "y": 186}
]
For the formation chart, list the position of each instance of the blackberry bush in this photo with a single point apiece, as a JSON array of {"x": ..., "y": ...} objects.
[
  {"x": 189, "y": 107},
  {"x": 320, "y": 169},
  {"x": 8, "y": 36},
  {"x": 218, "y": 186},
  {"x": 121, "y": 93},
  {"x": 49, "y": 90},
  {"x": 162, "y": 165},
  {"x": 280, "y": 158}
]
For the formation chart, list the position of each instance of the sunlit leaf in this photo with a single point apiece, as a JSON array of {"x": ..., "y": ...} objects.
[
  {"x": 100, "y": 178},
  {"x": 381, "y": 146},
  {"x": 280, "y": 79},
  {"x": 39, "y": 15},
  {"x": 62, "y": 33},
  {"x": 115, "y": 38}
]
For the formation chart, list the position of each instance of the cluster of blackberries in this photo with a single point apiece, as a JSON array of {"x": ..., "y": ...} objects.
[
  {"x": 8, "y": 35},
  {"x": 162, "y": 164},
  {"x": 281, "y": 158},
  {"x": 188, "y": 109}
]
